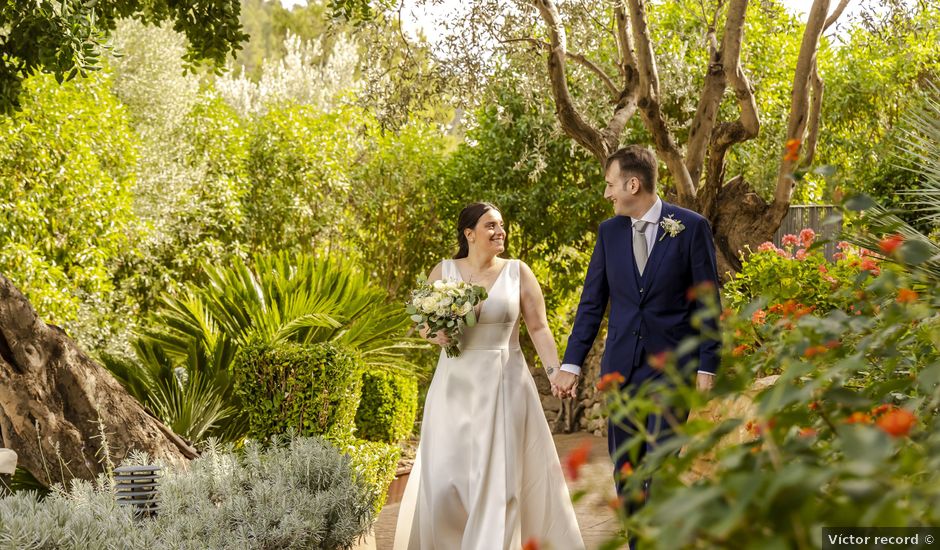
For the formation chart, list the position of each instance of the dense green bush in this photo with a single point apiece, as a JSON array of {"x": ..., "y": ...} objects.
[
  {"x": 296, "y": 494},
  {"x": 374, "y": 464},
  {"x": 387, "y": 408},
  {"x": 312, "y": 390}
]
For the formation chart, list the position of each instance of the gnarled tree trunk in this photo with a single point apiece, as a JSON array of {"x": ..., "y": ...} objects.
[{"x": 56, "y": 403}]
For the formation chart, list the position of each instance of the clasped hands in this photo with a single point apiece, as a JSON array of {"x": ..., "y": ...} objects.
[{"x": 564, "y": 383}]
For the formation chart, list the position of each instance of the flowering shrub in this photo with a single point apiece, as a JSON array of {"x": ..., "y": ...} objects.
[
  {"x": 847, "y": 435},
  {"x": 797, "y": 272}
]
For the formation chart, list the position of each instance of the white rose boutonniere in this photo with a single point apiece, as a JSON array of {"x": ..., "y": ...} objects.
[{"x": 671, "y": 227}]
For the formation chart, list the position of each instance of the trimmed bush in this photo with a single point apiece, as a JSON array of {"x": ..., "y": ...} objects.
[
  {"x": 311, "y": 390},
  {"x": 374, "y": 464},
  {"x": 387, "y": 408},
  {"x": 301, "y": 494}
]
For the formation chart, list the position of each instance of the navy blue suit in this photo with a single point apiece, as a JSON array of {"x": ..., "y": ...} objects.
[{"x": 649, "y": 313}]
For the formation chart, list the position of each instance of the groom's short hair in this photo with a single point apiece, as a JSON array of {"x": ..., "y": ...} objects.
[{"x": 638, "y": 161}]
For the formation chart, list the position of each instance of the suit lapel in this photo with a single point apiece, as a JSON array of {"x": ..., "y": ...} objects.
[
  {"x": 660, "y": 250},
  {"x": 628, "y": 263}
]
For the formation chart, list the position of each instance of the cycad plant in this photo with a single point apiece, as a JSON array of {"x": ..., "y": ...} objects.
[{"x": 186, "y": 352}]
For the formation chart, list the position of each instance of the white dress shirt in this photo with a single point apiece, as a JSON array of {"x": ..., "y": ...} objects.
[{"x": 652, "y": 229}]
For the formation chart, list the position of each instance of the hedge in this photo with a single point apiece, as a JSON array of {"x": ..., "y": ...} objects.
[{"x": 387, "y": 408}]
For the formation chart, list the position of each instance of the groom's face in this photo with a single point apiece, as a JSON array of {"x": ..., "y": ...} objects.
[{"x": 622, "y": 190}]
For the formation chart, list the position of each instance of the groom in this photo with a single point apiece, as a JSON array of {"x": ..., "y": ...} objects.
[{"x": 645, "y": 261}]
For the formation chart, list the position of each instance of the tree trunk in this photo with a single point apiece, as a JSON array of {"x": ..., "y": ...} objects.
[{"x": 58, "y": 408}]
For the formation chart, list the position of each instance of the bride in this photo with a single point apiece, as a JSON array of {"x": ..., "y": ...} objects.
[{"x": 487, "y": 475}]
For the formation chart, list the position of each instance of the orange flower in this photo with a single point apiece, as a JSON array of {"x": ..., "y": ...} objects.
[
  {"x": 793, "y": 150},
  {"x": 576, "y": 459},
  {"x": 789, "y": 240},
  {"x": 833, "y": 344},
  {"x": 610, "y": 380},
  {"x": 615, "y": 503},
  {"x": 531, "y": 544},
  {"x": 858, "y": 417},
  {"x": 626, "y": 469},
  {"x": 740, "y": 350},
  {"x": 814, "y": 406},
  {"x": 897, "y": 422},
  {"x": 659, "y": 360},
  {"x": 906, "y": 296},
  {"x": 759, "y": 317},
  {"x": 891, "y": 243},
  {"x": 725, "y": 313},
  {"x": 813, "y": 351},
  {"x": 881, "y": 409},
  {"x": 808, "y": 432}
]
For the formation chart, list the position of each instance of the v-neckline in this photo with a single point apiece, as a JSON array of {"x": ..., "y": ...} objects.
[{"x": 490, "y": 290}]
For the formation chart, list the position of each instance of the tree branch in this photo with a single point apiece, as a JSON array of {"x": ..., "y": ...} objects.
[
  {"x": 746, "y": 126},
  {"x": 571, "y": 120},
  {"x": 648, "y": 104},
  {"x": 587, "y": 63},
  {"x": 628, "y": 66},
  {"x": 815, "y": 110},
  {"x": 835, "y": 14},
  {"x": 799, "y": 105}
]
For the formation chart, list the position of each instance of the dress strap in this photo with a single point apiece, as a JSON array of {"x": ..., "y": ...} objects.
[{"x": 449, "y": 270}]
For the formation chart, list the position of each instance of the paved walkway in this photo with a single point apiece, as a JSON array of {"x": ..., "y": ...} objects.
[{"x": 596, "y": 519}]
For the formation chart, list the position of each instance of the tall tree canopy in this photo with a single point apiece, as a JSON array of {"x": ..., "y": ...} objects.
[{"x": 65, "y": 37}]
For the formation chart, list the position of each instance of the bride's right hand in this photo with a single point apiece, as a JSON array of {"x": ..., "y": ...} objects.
[{"x": 440, "y": 338}]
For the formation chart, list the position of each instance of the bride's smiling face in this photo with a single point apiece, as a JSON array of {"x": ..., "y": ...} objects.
[{"x": 489, "y": 233}]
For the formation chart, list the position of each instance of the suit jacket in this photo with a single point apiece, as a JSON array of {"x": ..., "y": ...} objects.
[{"x": 652, "y": 312}]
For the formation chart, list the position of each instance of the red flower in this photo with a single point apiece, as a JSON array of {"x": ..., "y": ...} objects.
[
  {"x": 881, "y": 409},
  {"x": 891, "y": 243},
  {"x": 531, "y": 544},
  {"x": 869, "y": 264},
  {"x": 790, "y": 240},
  {"x": 838, "y": 256},
  {"x": 897, "y": 422},
  {"x": 766, "y": 246},
  {"x": 833, "y": 344},
  {"x": 822, "y": 269},
  {"x": 813, "y": 351},
  {"x": 858, "y": 417},
  {"x": 759, "y": 317},
  {"x": 843, "y": 245},
  {"x": 814, "y": 406},
  {"x": 808, "y": 432},
  {"x": 793, "y": 150},
  {"x": 783, "y": 253},
  {"x": 801, "y": 254},
  {"x": 626, "y": 469},
  {"x": 610, "y": 380},
  {"x": 807, "y": 236},
  {"x": 576, "y": 459},
  {"x": 740, "y": 350},
  {"x": 906, "y": 296}
]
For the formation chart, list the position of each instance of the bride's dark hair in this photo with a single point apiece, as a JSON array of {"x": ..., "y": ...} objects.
[{"x": 468, "y": 219}]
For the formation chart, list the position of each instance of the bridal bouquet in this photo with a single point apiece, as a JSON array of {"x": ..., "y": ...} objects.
[{"x": 445, "y": 306}]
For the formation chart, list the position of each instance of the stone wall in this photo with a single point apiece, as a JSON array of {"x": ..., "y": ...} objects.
[{"x": 586, "y": 408}]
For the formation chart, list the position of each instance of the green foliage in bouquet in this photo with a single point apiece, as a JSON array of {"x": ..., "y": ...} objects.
[
  {"x": 388, "y": 407},
  {"x": 445, "y": 306}
]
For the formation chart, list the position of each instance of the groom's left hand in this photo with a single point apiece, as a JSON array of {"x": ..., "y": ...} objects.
[{"x": 704, "y": 382}]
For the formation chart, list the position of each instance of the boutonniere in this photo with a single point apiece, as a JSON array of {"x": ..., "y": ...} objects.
[{"x": 671, "y": 226}]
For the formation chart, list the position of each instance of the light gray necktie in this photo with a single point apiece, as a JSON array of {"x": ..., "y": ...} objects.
[{"x": 640, "y": 252}]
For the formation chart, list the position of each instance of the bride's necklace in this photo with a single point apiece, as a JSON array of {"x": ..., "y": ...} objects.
[{"x": 480, "y": 273}]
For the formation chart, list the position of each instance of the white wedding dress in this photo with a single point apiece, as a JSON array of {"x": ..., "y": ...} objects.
[{"x": 486, "y": 475}]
